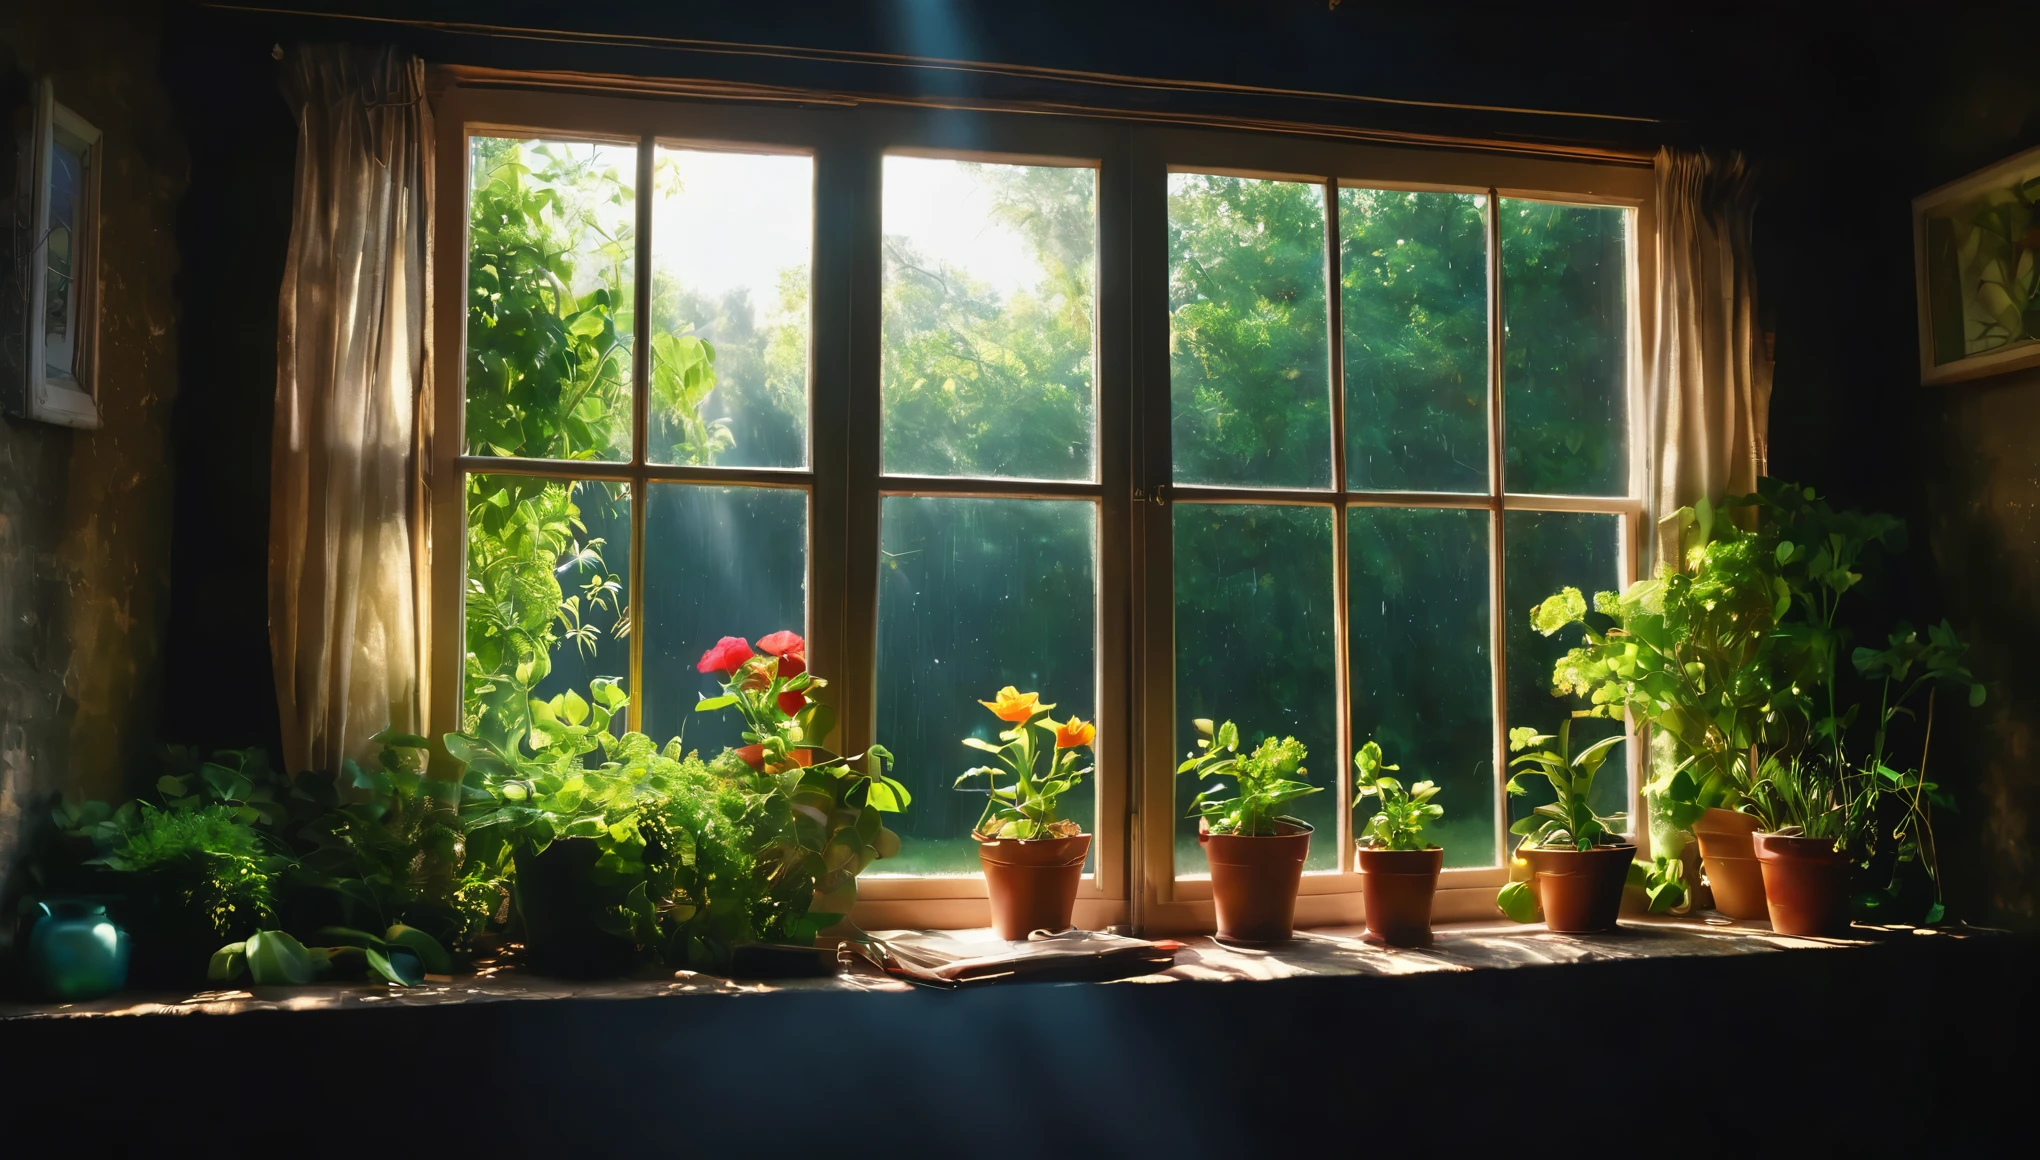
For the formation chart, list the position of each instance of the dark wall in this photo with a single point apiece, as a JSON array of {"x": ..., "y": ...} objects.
[
  {"x": 85, "y": 515},
  {"x": 1850, "y": 117}
]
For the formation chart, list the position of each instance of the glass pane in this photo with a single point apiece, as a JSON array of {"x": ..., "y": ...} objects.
[
  {"x": 719, "y": 561},
  {"x": 1413, "y": 304},
  {"x": 62, "y": 242},
  {"x": 987, "y": 366},
  {"x": 1249, "y": 379},
  {"x": 1544, "y": 552},
  {"x": 973, "y": 595},
  {"x": 732, "y": 244},
  {"x": 546, "y": 606},
  {"x": 1565, "y": 303},
  {"x": 1422, "y": 674},
  {"x": 551, "y": 275},
  {"x": 1254, "y": 645}
]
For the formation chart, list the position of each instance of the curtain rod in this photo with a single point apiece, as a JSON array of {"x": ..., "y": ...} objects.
[
  {"x": 618, "y": 84},
  {"x": 849, "y": 56}
]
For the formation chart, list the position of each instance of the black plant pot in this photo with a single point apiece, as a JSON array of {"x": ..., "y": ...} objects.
[{"x": 560, "y": 908}]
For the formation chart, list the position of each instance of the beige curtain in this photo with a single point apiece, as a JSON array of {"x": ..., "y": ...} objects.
[
  {"x": 348, "y": 508},
  {"x": 1709, "y": 400}
]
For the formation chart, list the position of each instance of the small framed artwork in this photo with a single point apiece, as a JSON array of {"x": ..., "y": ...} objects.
[
  {"x": 1976, "y": 255},
  {"x": 57, "y": 222}
]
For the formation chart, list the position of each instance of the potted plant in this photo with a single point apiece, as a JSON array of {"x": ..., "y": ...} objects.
[
  {"x": 1398, "y": 864},
  {"x": 1829, "y": 813},
  {"x": 824, "y": 820},
  {"x": 642, "y": 854},
  {"x": 1693, "y": 654},
  {"x": 1577, "y": 862},
  {"x": 1256, "y": 854},
  {"x": 1032, "y": 855}
]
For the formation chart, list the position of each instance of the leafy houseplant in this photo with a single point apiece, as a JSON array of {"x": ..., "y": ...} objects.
[
  {"x": 644, "y": 854},
  {"x": 1735, "y": 662},
  {"x": 1032, "y": 855},
  {"x": 1693, "y": 653},
  {"x": 1578, "y": 865},
  {"x": 1399, "y": 865},
  {"x": 823, "y": 820},
  {"x": 1828, "y": 810},
  {"x": 1256, "y": 854}
]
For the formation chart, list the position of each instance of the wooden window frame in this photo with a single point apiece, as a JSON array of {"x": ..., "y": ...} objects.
[{"x": 1134, "y": 885}]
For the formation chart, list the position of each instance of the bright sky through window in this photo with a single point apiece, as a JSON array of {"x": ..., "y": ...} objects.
[
  {"x": 944, "y": 210},
  {"x": 761, "y": 207}
]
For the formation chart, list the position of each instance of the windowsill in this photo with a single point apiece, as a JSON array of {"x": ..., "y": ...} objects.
[{"x": 1328, "y": 952}]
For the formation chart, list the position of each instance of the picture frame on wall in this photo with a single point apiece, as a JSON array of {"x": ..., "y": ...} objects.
[
  {"x": 1976, "y": 256},
  {"x": 54, "y": 337}
]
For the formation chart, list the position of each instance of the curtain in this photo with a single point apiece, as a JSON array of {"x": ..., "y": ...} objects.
[
  {"x": 1710, "y": 380},
  {"x": 348, "y": 535}
]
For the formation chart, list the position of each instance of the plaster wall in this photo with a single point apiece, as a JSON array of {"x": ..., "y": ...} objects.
[{"x": 85, "y": 515}]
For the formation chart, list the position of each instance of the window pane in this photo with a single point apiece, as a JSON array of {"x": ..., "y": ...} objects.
[
  {"x": 1254, "y": 645},
  {"x": 546, "y": 606},
  {"x": 987, "y": 366},
  {"x": 973, "y": 595},
  {"x": 1544, "y": 552},
  {"x": 551, "y": 274},
  {"x": 732, "y": 239},
  {"x": 1565, "y": 302},
  {"x": 1413, "y": 304},
  {"x": 719, "y": 561},
  {"x": 1422, "y": 675},
  {"x": 1249, "y": 379}
]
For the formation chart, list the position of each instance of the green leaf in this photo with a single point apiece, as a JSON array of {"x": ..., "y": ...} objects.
[
  {"x": 1519, "y": 902},
  {"x": 431, "y": 956},
  {"x": 276, "y": 959},
  {"x": 227, "y": 963},
  {"x": 710, "y": 704},
  {"x": 399, "y": 968}
]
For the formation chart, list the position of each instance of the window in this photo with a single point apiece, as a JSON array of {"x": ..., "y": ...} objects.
[{"x": 1161, "y": 424}]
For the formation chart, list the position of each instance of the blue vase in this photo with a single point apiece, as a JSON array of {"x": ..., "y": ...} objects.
[{"x": 75, "y": 951}]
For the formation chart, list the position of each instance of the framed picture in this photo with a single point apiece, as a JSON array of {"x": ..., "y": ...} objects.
[
  {"x": 1976, "y": 253},
  {"x": 55, "y": 364}
]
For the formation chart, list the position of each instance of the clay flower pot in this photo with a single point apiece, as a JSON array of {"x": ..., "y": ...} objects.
[
  {"x": 1580, "y": 890},
  {"x": 1033, "y": 884},
  {"x": 1806, "y": 884},
  {"x": 1396, "y": 887},
  {"x": 1254, "y": 881},
  {"x": 1730, "y": 859}
]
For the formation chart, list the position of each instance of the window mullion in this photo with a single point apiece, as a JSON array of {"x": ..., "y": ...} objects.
[
  {"x": 640, "y": 409},
  {"x": 1342, "y": 729},
  {"x": 1497, "y": 581}
]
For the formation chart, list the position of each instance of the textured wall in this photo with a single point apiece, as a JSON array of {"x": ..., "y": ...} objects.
[{"x": 85, "y": 515}]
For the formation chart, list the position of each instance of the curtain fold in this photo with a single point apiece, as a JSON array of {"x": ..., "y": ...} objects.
[
  {"x": 348, "y": 535},
  {"x": 1709, "y": 390}
]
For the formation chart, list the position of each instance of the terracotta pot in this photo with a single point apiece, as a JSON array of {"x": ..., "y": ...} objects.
[
  {"x": 1730, "y": 859},
  {"x": 1580, "y": 890},
  {"x": 1254, "y": 881},
  {"x": 1806, "y": 883},
  {"x": 1396, "y": 887},
  {"x": 1033, "y": 884}
]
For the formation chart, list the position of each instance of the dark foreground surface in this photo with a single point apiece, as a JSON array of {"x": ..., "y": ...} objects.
[{"x": 1629, "y": 1041}]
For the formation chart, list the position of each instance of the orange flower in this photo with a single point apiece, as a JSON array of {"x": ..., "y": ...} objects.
[
  {"x": 1073, "y": 733},
  {"x": 1013, "y": 705}
]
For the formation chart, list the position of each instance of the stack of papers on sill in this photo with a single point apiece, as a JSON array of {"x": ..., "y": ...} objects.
[{"x": 942, "y": 959}]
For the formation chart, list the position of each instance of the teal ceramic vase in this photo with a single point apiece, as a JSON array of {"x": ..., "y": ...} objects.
[{"x": 75, "y": 952}]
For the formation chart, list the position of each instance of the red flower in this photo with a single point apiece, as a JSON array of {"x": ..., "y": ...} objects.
[
  {"x": 789, "y": 648},
  {"x": 791, "y": 702},
  {"x": 728, "y": 655},
  {"x": 753, "y": 756}
]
